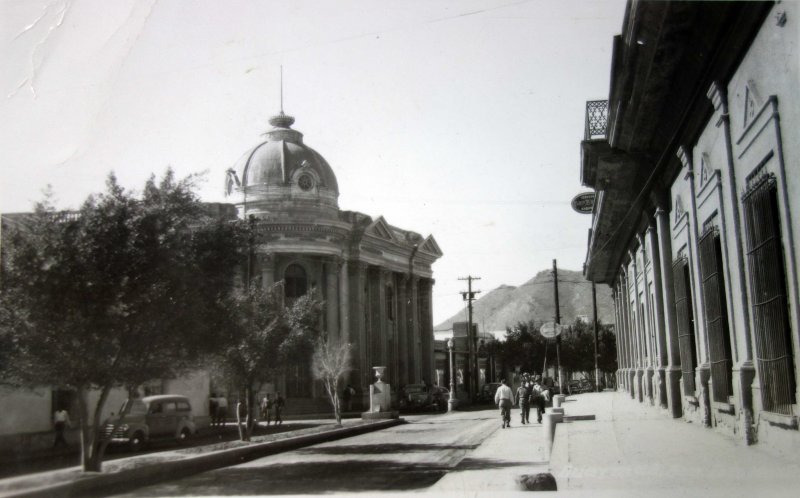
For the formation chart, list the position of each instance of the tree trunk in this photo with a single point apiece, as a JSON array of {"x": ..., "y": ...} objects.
[{"x": 91, "y": 450}]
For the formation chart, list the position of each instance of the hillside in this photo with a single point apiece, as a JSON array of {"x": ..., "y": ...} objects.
[{"x": 533, "y": 300}]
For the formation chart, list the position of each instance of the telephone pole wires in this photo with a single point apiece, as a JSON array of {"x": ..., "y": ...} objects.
[{"x": 472, "y": 337}]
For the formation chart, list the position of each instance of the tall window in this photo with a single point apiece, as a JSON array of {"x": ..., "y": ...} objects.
[
  {"x": 716, "y": 308},
  {"x": 685, "y": 316},
  {"x": 765, "y": 263},
  {"x": 295, "y": 281}
]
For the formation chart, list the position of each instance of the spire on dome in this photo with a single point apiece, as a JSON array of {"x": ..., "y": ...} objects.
[{"x": 281, "y": 120}]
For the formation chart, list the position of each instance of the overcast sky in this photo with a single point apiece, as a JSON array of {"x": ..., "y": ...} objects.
[{"x": 460, "y": 119}]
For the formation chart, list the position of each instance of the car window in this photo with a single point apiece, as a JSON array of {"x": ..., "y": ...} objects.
[
  {"x": 169, "y": 407},
  {"x": 137, "y": 407},
  {"x": 184, "y": 406},
  {"x": 155, "y": 407}
]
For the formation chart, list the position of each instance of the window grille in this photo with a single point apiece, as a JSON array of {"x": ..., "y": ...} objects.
[
  {"x": 716, "y": 308},
  {"x": 765, "y": 263},
  {"x": 683, "y": 311}
]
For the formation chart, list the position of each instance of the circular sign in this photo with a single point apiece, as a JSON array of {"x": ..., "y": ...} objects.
[
  {"x": 550, "y": 330},
  {"x": 583, "y": 202}
]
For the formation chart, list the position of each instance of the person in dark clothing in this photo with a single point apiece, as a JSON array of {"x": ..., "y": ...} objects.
[
  {"x": 279, "y": 404},
  {"x": 539, "y": 396}
]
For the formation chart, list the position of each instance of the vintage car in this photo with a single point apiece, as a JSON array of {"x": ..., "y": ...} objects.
[
  {"x": 162, "y": 416},
  {"x": 422, "y": 397}
]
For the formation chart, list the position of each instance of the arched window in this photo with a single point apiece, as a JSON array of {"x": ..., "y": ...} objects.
[{"x": 295, "y": 281}]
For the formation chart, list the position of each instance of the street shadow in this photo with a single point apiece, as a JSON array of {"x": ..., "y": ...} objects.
[
  {"x": 304, "y": 478},
  {"x": 380, "y": 449},
  {"x": 489, "y": 463}
]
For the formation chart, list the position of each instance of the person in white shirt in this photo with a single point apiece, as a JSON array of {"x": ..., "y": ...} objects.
[
  {"x": 60, "y": 422},
  {"x": 504, "y": 398}
]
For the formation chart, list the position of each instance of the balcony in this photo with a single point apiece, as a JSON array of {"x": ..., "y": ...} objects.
[{"x": 596, "y": 120}]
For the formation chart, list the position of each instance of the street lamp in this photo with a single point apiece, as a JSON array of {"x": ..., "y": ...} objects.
[{"x": 452, "y": 402}]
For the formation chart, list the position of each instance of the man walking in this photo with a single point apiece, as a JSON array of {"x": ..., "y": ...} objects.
[
  {"x": 503, "y": 398},
  {"x": 279, "y": 403},
  {"x": 538, "y": 398},
  {"x": 524, "y": 402}
]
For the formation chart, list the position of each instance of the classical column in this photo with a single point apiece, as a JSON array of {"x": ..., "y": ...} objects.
[
  {"x": 618, "y": 328},
  {"x": 655, "y": 264},
  {"x": 630, "y": 371},
  {"x": 359, "y": 319},
  {"x": 744, "y": 371},
  {"x": 673, "y": 370},
  {"x": 638, "y": 332},
  {"x": 332, "y": 300},
  {"x": 344, "y": 302},
  {"x": 415, "y": 314},
  {"x": 704, "y": 367},
  {"x": 402, "y": 328},
  {"x": 647, "y": 325},
  {"x": 427, "y": 326},
  {"x": 267, "y": 263},
  {"x": 382, "y": 329}
]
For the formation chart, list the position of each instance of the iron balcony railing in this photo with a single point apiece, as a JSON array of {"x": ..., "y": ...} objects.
[{"x": 596, "y": 119}]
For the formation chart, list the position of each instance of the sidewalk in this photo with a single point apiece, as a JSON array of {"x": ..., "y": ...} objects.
[
  {"x": 495, "y": 466},
  {"x": 635, "y": 450}
]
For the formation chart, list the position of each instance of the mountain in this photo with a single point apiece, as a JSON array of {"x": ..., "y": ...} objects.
[{"x": 506, "y": 305}]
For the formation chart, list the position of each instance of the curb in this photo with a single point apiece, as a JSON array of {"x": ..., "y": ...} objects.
[{"x": 126, "y": 480}]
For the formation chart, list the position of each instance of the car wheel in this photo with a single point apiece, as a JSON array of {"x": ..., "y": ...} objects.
[
  {"x": 137, "y": 442},
  {"x": 184, "y": 435}
]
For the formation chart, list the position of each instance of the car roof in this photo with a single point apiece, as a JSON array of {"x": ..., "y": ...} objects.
[{"x": 165, "y": 397}]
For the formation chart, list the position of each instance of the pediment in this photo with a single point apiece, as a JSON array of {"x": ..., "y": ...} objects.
[
  {"x": 379, "y": 228},
  {"x": 431, "y": 247}
]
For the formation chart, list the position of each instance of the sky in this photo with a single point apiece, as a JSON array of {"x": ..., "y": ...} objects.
[{"x": 461, "y": 119}]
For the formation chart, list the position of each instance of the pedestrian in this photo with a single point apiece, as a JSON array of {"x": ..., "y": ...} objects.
[
  {"x": 222, "y": 410},
  {"x": 503, "y": 398},
  {"x": 60, "y": 422},
  {"x": 539, "y": 397},
  {"x": 524, "y": 402},
  {"x": 279, "y": 404},
  {"x": 347, "y": 397},
  {"x": 266, "y": 407},
  {"x": 212, "y": 408}
]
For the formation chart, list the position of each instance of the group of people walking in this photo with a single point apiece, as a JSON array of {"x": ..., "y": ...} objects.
[
  {"x": 270, "y": 406},
  {"x": 530, "y": 392},
  {"x": 218, "y": 409}
]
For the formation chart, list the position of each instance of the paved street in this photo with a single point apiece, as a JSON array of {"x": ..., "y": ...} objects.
[{"x": 407, "y": 457}]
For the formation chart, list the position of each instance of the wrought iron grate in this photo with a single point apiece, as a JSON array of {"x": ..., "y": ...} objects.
[{"x": 596, "y": 119}]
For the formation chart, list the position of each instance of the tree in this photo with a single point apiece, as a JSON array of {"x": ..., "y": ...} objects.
[
  {"x": 126, "y": 290},
  {"x": 264, "y": 335},
  {"x": 331, "y": 361}
]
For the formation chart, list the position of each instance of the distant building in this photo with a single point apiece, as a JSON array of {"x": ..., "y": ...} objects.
[
  {"x": 694, "y": 160},
  {"x": 489, "y": 365}
]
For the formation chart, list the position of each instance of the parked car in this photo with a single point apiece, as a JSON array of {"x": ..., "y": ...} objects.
[
  {"x": 420, "y": 396},
  {"x": 580, "y": 386},
  {"x": 488, "y": 391},
  {"x": 162, "y": 416}
]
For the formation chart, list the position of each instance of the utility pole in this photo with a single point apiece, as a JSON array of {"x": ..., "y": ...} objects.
[
  {"x": 472, "y": 338},
  {"x": 596, "y": 367},
  {"x": 557, "y": 322}
]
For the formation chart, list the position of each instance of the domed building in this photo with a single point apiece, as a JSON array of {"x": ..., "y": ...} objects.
[{"x": 374, "y": 278}]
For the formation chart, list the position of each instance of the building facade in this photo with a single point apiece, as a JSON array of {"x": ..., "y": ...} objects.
[
  {"x": 694, "y": 161},
  {"x": 375, "y": 279}
]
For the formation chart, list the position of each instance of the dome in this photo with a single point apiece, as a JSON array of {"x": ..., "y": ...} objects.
[{"x": 283, "y": 170}]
